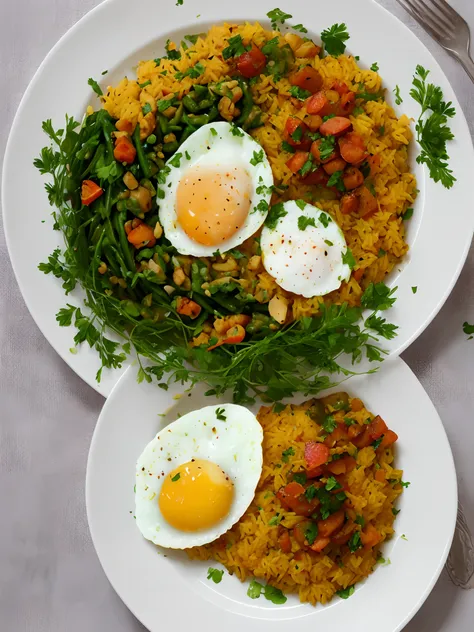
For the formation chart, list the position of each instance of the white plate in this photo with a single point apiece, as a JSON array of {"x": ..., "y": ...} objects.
[
  {"x": 166, "y": 590},
  {"x": 107, "y": 39}
]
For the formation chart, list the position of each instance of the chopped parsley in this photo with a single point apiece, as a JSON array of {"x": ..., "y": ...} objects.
[
  {"x": 326, "y": 147},
  {"x": 144, "y": 84},
  {"x": 301, "y": 204},
  {"x": 414, "y": 289},
  {"x": 408, "y": 214},
  {"x": 278, "y": 407},
  {"x": 405, "y": 483},
  {"x": 380, "y": 325},
  {"x": 337, "y": 181},
  {"x": 310, "y": 492},
  {"x": 287, "y": 147},
  {"x": 304, "y": 222},
  {"x": 332, "y": 483},
  {"x": 345, "y": 593},
  {"x": 381, "y": 253},
  {"x": 277, "y": 211},
  {"x": 334, "y": 39},
  {"x": 311, "y": 533},
  {"x": 360, "y": 520},
  {"x": 432, "y": 129},
  {"x": 349, "y": 422},
  {"x": 306, "y": 168},
  {"x": 95, "y": 86},
  {"x": 300, "y": 28},
  {"x": 262, "y": 207},
  {"x": 398, "y": 98},
  {"x": 146, "y": 109},
  {"x": 358, "y": 110},
  {"x": 382, "y": 130},
  {"x": 374, "y": 67},
  {"x": 297, "y": 134},
  {"x": 215, "y": 574},
  {"x": 194, "y": 72},
  {"x": 257, "y": 157},
  {"x": 395, "y": 511},
  {"x": 300, "y": 477},
  {"x": 235, "y": 47},
  {"x": 377, "y": 442},
  {"x": 176, "y": 477},
  {"x": 355, "y": 542},
  {"x": 277, "y": 16},
  {"x": 329, "y": 424},
  {"x": 254, "y": 590},
  {"x": 236, "y": 131},
  {"x": 220, "y": 414},
  {"x": 378, "y": 296},
  {"x": 191, "y": 38},
  {"x": 299, "y": 93},
  {"x": 348, "y": 258},
  {"x": 468, "y": 330},
  {"x": 271, "y": 593},
  {"x": 273, "y": 522},
  {"x": 172, "y": 53},
  {"x": 404, "y": 537},
  {"x": 213, "y": 131},
  {"x": 324, "y": 219},
  {"x": 285, "y": 455}
]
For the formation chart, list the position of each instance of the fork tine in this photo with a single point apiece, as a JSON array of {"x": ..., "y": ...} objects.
[
  {"x": 413, "y": 10},
  {"x": 436, "y": 17},
  {"x": 447, "y": 10}
]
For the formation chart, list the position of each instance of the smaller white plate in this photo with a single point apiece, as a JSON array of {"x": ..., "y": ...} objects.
[{"x": 165, "y": 590}]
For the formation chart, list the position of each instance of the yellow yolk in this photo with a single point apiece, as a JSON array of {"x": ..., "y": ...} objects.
[
  {"x": 196, "y": 495},
  {"x": 213, "y": 204}
]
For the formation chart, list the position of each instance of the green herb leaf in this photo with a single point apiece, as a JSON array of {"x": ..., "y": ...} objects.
[
  {"x": 300, "y": 477},
  {"x": 408, "y": 214},
  {"x": 257, "y": 157},
  {"x": 307, "y": 167},
  {"x": 277, "y": 16},
  {"x": 355, "y": 542},
  {"x": 277, "y": 211},
  {"x": 378, "y": 296},
  {"x": 275, "y": 520},
  {"x": 220, "y": 414},
  {"x": 374, "y": 67},
  {"x": 299, "y": 93},
  {"x": 95, "y": 86},
  {"x": 310, "y": 492},
  {"x": 215, "y": 574},
  {"x": 377, "y": 442},
  {"x": 334, "y": 39},
  {"x": 345, "y": 593},
  {"x": 285, "y": 455},
  {"x": 405, "y": 483},
  {"x": 235, "y": 47},
  {"x": 326, "y": 147},
  {"x": 175, "y": 161},
  {"x": 304, "y": 222},
  {"x": 332, "y": 483},
  {"x": 348, "y": 258},
  {"x": 329, "y": 424},
  {"x": 176, "y": 477},
  {"x": 171, "y": 53},
  {"x": 398, "y": 98},
  {"x": 300, "y": 28},
  {"x": 287, "y": 147},
  {"x": 254, "y": 590},
  {"x": 325, "y": 219},
  {"x": 468, "y": 330},
  {"x": 311, "y": 533},
  {"x": 337, "y": 181},
  {"x": 380, "y": 325},
  {"x": 360, "y": 520},
  {"x": 414, "y": 289},
  {"x": 274, "y": 595},
  {"x": 236, "y": 131}
]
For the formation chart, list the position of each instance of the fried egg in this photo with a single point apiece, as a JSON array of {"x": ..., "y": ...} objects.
[
  {"x": 197, "y": 477},
  {"x": 305, "y": 250},
  {"x": 214, "y": 192}
]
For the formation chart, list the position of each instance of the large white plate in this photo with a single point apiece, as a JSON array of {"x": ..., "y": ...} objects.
[
  {"x": 167, "y": 590},
  {"x": 109, "y": 38}
]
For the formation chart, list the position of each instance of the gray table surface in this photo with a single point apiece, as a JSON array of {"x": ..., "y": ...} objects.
[{"x": 50, "y": 577}]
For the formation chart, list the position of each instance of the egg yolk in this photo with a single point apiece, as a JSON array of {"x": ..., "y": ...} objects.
[
  {"x": 213, "y": 204},
  {"x": 196, "y": 495}
]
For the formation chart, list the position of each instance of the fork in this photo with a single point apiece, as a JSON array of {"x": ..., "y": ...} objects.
[{"x": 446, "y": 26}]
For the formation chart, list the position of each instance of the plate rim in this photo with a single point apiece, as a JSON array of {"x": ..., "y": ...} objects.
[{"x": 88, "y": 375}]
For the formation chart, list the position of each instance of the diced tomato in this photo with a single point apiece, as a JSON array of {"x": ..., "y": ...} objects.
[
  {"x": 291, "y": 132},
  {"x": 318, "y": 177},
  {"x": 370, "y": 536},
  {"x": 340, "y": 87},
  {"x": 342, "y": 466},
  {"x": 314, "y": 472},
  {"x": 389, "y": 439},
  {"x": 352, "y": 179},
  {"x": 357, "y": 405},
  {"x": 317, "y": 155},
  {"x": 315, "y": 453},
  {"x": 377, "y": 427},
  {"x": 292, "y": 497},
  {"x": 331, "y": 524},
  {"x": 367, "y": 202},
  {"x": 251, "y": 63},
  {"x": 90, "y": 191},
  {"x": 316, "y": 103},
  {"x": 380, "y": 475},
  {"x": 349, "y": 203},
  {"x": 336, "y": 126},
  {"x": 284, "y": 541},
  {"x": 187, "y": 307},
  {"x": 337, "y": 164},
  {"x": 320, "y": 543},
  {"x": 142, "y": 236},
  {"x": 355, "y": 430},
  {"x": 124, "y": 150},
  {"x": 307, "y": 78},
  {"x": 362, "y": 440},
  {"x": 347, "y": 104},
  {"x": 358, "y": 274},
  {"x": 344, "y": 535},
  {"x": 296, "y": 162}
]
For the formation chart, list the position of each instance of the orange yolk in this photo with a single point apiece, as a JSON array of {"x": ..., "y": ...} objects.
[
  {"x": 196, "y": 495},
  {"x": 213, "y": 204}
]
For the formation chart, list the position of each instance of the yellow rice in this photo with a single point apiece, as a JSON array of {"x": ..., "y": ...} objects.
[
  {"x": 250, "y": 548},
  {"x": 377, "y": 243}
]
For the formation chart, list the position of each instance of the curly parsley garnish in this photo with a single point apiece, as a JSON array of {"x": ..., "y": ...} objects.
[
  {"x": 277, "y": 16},
  {"x": 334, "y": 39}
]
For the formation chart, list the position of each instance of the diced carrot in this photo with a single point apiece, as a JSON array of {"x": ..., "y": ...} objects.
[
  {"x": 380, "y": 476},
  {"x": 367, "y": 202},
  {"x": 370, "y": 536},
  {"x": 336, "y": 126},
  {"x": 124, "y": 150},
  {"x": 313, "y": 121},
  {"x": 358, "y": 274},
  {"x": 342, "y": 466},
  {"x": 340, "y": 87},
  {"x": 142, "y": 236},
  {"x": 333, "y": 523},
  {"x": 319, "y": 544},
  {"x": 90, "y": 191},
  {"x": 389, "y": 439},
  {"x": 296, "y": 162},
  {"x": 349, "y": 203},
  {"x": 374, "y": 164},
  {"x": 337, "y": 164},
  {"x": 357, "y": 405},
  {"x": 307, "y": 78},
  {"x": 187, "y": 307},
  {"x": 317, "y": 155},
  {"x": 315, "y": 453},
  {"x": 377, "y": 427},
  {"x": 284, "y": 541},
  {"x": 316, "y": 103},
  {"x": 352, "y": 153},
  {"x": 292, "y": 497},
  {"x": 353, "y": 178},
  {"x": 233, "y": 336},
  {"x": 292, "y": 127},
  {"x": 318, "y": 177}
]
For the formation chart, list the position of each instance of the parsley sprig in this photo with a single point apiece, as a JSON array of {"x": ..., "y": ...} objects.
[
  {"x": 432, "y": 127},
  {"x": 334, "y": 39}
]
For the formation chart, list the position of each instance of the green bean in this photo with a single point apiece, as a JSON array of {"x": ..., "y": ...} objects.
[
  {"x": 142, "y": 159},
  {"x": 203, "y": 302},
  {"x": 187, "y": 132},
  {"x": 120, "y": 219},
  {"x": 247, "y": 104},
  {"x": 169, "y": 148},
  {"x": 164, "y": 124},
  {"x": 175, "y": 128},
  {"x": 97, "y": 234},
  {"x": 228, "y": 302},
  {"x": 200, "y": 90},
  {"x": 109, "y": 231},
  {"x": 196, "y": 120},
  {"x": 156, "y": 291},
  {"x": 178, "y": 116},
  {"x": 93, "y": 162},
  {"x": 190, "y": 103}
]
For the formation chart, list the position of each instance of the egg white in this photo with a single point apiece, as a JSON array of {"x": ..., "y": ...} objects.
[
  {"x": 235, "y": 446},
  {"x": 307, "y": 262},
  {"x": 219, "y": 148}
]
